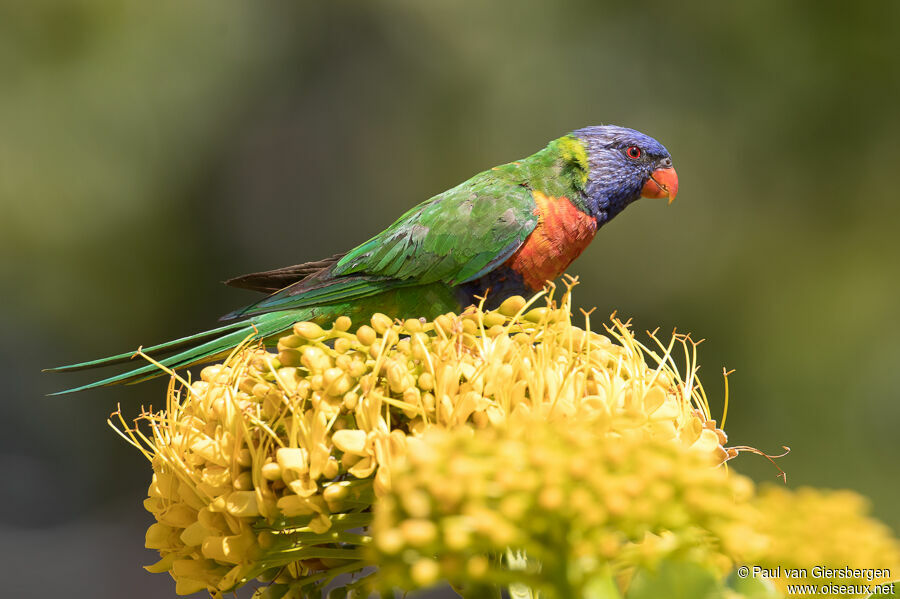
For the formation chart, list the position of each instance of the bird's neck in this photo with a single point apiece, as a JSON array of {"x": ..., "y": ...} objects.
[
  {"x": 604, "y": 202},
  {"x": 562, "y": 169},
  {"x": 559, "y": 170}
]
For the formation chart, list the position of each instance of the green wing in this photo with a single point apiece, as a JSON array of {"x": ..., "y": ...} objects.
[{"x": 454, "y": 237}]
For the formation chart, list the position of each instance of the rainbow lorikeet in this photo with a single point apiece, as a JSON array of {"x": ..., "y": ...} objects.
[{"x": 506, "y": 231}]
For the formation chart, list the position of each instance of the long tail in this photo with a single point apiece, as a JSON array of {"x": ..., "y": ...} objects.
[{"x": 194, "y": 349}]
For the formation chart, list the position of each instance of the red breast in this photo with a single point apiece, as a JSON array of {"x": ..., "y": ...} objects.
[{"x": 562, "y": 233}]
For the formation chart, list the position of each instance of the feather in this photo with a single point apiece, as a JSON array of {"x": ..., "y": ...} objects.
[
  {"x": 270, "y": 281},
  {"x": 218, "y": 347}
]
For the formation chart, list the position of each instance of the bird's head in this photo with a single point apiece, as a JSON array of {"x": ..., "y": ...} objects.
[{"x": 623, "y": 165}]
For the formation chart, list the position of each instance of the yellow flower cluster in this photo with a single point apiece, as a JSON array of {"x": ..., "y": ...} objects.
[
  {"x": 590, "y": 509},
  {"x": 578, "y": 504},
  {"x": 489, "y": 448},
  {"x": 268, "y": 465},
  {"x": 832, "y": 530}
]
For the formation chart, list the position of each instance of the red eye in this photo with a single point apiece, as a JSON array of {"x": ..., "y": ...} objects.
[{"x": 633, "y": 152}]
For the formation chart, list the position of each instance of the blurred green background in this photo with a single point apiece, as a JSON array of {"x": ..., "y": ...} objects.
[{"x": 150, "y": 150}]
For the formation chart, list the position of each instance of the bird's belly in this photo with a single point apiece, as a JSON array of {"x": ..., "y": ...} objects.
[
  {"x": 495, "y": 286},
  {"x": 562, "y": 233}
]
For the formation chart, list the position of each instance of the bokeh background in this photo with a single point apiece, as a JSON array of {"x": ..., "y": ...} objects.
[{"x": 149, "y": 150}]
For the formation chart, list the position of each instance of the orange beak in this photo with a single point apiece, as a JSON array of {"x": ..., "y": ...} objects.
[{"x": 663, "y": 183}]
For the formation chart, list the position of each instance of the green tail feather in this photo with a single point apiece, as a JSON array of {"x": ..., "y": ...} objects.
[
  {"x": 162, "y": 348},
  {"x": 405, "y": 301},
  {"x": 259, "y": 327}
]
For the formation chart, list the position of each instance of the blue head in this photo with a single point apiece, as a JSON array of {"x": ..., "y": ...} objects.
[{"x": 623, "y": 165}]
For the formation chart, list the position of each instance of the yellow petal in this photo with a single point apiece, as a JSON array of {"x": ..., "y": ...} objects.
[
  {"x": 708, "y": 441},
  {"x": 293, "y": 459},
  {"x": 194, "y": 534},
  {"x": 304, "y": 487},
  {"x": 363, "y": 468},
  {"x": 242, "y": 504},
  {"x": 231, "y": 549},
  {"x": 158, "y": 536},
  {"x": 163, "y": 565},
  {"x": 350, "y": 441},
  {"x": 196, "y": 569},
  {"x": 294, "y": 505},
  {"x": 179, "y": 515},
  {"x": 186, "y": 586},
  {"x": 216, "y": 476},
  {"x": 320, "y": 524}
]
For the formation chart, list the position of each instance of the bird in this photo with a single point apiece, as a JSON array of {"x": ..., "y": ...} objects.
[{"x": 506, "y": 231}]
